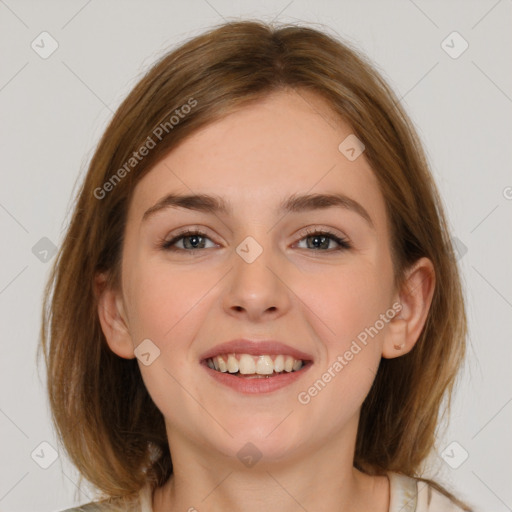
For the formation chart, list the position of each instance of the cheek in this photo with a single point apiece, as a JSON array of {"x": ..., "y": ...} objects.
[
  {"x": 165, "y": 301},
  {"x": 168, "y": 306},
  {"x": 347, "y": 303},
  {"x": 346, "y": 299}
]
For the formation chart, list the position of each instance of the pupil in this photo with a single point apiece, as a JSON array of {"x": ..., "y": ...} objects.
[
  {"x": 194, "y": 240},
  {"x": 321, "y": 238}
]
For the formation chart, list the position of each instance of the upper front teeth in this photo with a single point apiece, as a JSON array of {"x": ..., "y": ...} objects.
[{"x": 247, "y": 364}]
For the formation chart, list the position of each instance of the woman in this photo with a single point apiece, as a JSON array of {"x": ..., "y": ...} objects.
[{"x": 256, "y": 305}]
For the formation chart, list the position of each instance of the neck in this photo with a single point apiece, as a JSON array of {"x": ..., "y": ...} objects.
[{"x": 211, "y": 482}]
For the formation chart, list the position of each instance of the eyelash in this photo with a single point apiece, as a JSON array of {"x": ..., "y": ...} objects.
[{"x": 343, "y": 243}]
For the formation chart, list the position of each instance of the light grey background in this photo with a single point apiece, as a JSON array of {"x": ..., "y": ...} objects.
[{"x": 54, "y": 110}]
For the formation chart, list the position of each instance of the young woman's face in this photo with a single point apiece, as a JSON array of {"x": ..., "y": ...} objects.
[{"x": 258, "y": 272}]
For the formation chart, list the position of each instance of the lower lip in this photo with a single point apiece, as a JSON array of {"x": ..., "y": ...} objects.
[{"x": 256, "y": 385}]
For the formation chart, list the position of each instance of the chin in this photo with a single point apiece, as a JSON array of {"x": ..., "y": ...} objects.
[{"x": 269, "y": 439}]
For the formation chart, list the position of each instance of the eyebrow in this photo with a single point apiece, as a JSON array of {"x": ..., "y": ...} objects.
[{"x": 208, "y": 203}]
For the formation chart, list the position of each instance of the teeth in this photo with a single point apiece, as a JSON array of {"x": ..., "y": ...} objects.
[
  {"x": 264, "y": 366},
  {"x": 246, "y": 364},
  {"x": 279, "y": 364},
  {"x": 232, "y": 364},
  {"x": 297, "y": 365},
  {"x": 223, "y": 367}
]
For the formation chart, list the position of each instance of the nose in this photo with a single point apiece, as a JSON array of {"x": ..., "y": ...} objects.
[{"x": 257, "y": 288}]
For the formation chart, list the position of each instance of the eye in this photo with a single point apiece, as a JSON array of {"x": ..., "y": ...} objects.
[
  {"x": 191, "y": 240},
  {"x": 320, "y": 239}
]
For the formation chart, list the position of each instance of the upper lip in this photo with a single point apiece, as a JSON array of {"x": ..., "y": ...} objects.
[{"x": 255, "y": 348}]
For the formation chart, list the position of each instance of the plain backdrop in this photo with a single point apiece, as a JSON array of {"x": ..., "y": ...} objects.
[{"x": 54, "y": 109}]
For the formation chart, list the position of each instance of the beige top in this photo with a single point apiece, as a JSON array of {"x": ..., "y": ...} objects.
[{"x": 406, "y": 495}]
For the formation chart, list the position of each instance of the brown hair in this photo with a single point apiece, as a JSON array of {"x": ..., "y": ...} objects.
[{"x": 104, "y": 416}]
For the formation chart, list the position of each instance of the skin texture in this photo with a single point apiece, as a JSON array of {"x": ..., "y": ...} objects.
[{"x": 317, "y": 300}]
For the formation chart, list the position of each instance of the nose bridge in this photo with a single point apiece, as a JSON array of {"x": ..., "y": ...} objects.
[{"x": 255, "y": 285}]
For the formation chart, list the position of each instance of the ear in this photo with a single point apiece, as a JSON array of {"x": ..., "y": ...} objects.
[
  {"x": 415, "y": 298},
  {"x": 113, "y": 319}
]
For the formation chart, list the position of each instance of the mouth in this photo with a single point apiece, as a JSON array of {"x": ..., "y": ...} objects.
[
  {"x": 250, "y": 366},
  {"x": 255, "y": 367}
]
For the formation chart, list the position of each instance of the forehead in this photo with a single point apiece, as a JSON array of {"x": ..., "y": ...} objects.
[{"x": 286, "y": 143}]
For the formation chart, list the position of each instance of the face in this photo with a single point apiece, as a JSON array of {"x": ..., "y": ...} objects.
[{"x": 313, "y": 278}]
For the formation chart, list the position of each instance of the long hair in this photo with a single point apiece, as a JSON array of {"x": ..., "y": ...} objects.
[{"x": 103, "y": 414}]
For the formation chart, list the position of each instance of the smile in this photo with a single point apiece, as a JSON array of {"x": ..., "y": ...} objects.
[
  {"x": 249, "y": 366},
  {"x": 255, "y": 374}
]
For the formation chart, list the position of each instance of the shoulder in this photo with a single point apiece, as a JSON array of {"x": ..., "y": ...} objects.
[
  {"x": 90, "y": 507},
  {"x": 100, "y": 507},
  {"x": 141, "y": 503},
  {"x": 109, "y": 506},
  {"x": 432, "y": 500},
  {"x": 409, "y": 494}
]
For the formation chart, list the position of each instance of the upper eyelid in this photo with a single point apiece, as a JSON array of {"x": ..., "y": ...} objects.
[
  {"x": 188, "y": 231},
  {"x": 303, "y": 233}
]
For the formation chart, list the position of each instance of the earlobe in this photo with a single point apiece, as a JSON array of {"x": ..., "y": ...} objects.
[
  {"x": 395, "y": 339},
  {"x": 113, "y": 320},
  {"x": 415, "y": 297}
]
